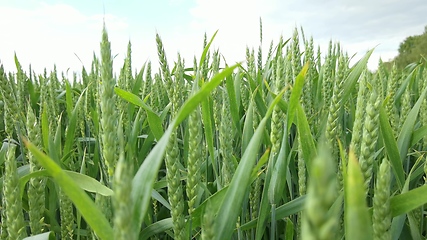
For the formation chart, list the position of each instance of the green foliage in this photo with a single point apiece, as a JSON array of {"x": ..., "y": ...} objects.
[
  {"x": 277, "y": 148},
  {"x": 411, "y": 50}
]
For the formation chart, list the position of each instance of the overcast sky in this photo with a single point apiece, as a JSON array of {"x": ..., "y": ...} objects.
[{"x": 50, "y": 32}]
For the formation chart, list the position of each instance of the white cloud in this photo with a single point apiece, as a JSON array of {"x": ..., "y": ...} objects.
[
  {"x": 54, "y": 34},
  {"x": 238, "y": 24}
]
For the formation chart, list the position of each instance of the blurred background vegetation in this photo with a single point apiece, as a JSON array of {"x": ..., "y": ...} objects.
[{"x": 411, "y": 50}]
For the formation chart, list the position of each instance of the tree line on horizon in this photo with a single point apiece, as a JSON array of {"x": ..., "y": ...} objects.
[{"x": 412, "y": 50}]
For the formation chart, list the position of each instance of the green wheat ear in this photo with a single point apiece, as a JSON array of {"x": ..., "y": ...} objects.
[
  {"x": 36, "y": 187},
  {"x": 167, "y": 78},
  {"x": 405, "y": 105},
  {"x": 3, "y": 226},
  {"x": 357, "y": 131},
  {"x": 173, "y": 175},
  {"x": 9, "y": 101},
  {"x": 295, "y": 54},
  {"x": 321, "y": 219},
  {"x": 226, "y": 141},
  {"x": 67, "y": 216},
  {"x": 328, "y": 78},
  {"x": 109, "y": 117},
  {"x": 148, "y": 82},
  {"x": 381, "y": 217},
  {"x": 122, "y": 201},
  {"x": 13, "y": 203},
  {"x": 370, "y": 134},
  {"x": 302, "y": 180},
  {"x": 278, "y": 115},
  {"x": 333, "y": 126},
  {"x": 309, "y": 88},
  {"x": 194, "y": 159},
  {"x": 208, "y": 223}
]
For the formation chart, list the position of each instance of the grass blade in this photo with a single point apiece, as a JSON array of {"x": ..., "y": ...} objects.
[
  {"x": 81, "y": 200},
  {"x": 309, "y": 150},
  {"x": 278, "y": 176},
  {"x": 405, "y": 135},
  {"x": 156, "y": 228},
  {"x": 209, "y": 135},
  {"x": 356, "y": 214},
  {"x": 153, "y": 119},
  {"x": 391, "y": 147},
  {"x": 71, "y": 128},
  {"x": 248, "y": 130},
  {"x": 229, "y": 211},
  {"x": 205, "y": 51},
  {"x": 354, "y": 75},
  {"x": 406, "y": 202},
  {"x": 234, "y": 110},
  {"x": 287, "y": 209},
  {"x": 295, "y": 95}
]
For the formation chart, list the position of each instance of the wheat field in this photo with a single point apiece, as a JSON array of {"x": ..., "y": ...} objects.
[{"x": 300, "y": 145}]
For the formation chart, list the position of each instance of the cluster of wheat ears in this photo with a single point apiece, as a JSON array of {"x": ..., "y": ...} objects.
[{"x": 297, "y": 146}]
